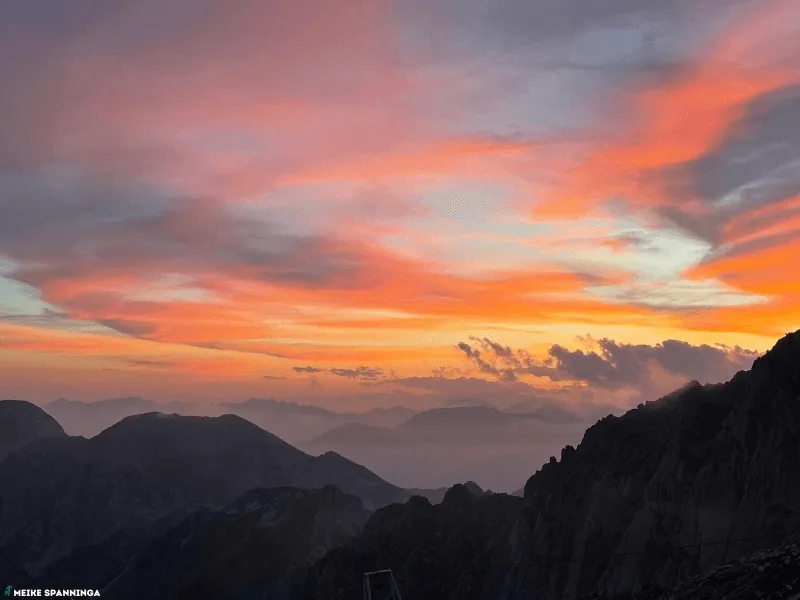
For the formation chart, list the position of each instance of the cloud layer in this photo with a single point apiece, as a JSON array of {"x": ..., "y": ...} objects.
[{"x": 334, "y": 193}]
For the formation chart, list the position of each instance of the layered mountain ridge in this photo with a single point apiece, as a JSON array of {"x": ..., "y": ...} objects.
[{"x": 61, "y": 493}]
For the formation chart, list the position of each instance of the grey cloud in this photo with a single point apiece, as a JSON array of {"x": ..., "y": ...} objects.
[
  {"x": 151, "y": 363},
  {"x": 624, "y": 365},
  {"x": 64, "y": 224},
  {"x": 757, "y": 163},
  {"x": 365, "y": 373},
  {"x": 307, "y": 370},
  {"x": 66, "y": 203},
  {"x": 760, "y": 156},
  {"x": 541, "y": 18},
  {"x": 583, "y": 366},
  {"x": 614, "y": 365},
  {"x": 702, "y": 226},
  {"x": 47, "y": 316},
  {"x": 606, "y": 41},
  {"x": 128, "y": 326},
  {"x": 272, "y": 377},
  {"x": 485, "y": 366}
]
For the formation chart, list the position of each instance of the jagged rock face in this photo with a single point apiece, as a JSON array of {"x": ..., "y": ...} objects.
[
  {"x": 252, "y": 549},
  {"x": 22, "y": 423},
  {"x": 427, "y": 546},
  {"x": 709, "y": 464}
]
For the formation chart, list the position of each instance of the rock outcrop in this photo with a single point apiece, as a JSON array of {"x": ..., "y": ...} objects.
[{"x": 431, "y": 548}]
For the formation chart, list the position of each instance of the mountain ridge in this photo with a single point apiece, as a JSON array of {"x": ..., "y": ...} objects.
[{"x": 146, "y": 468}]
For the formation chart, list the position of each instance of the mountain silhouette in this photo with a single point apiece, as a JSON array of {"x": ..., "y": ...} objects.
[
  {"x": 22, "y": 423},
  {"x": 293, "y": 422},
  {"x": 62, "y": 493}
]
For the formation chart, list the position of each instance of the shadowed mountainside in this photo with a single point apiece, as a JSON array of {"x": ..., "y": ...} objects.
[
  {"x": 62, "y": 493},
  {"x": 251, "y": 549},
  {"x": 22, "y": 423}
]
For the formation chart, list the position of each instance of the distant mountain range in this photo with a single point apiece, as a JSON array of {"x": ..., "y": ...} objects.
[
  {"x": 414, "y": 449},
  {"x": 290, "y": 421},
  {"x": 441, "y": 446}
]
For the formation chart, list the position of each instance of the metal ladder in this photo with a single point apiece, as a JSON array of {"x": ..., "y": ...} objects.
[{"x": 394, "y": 593}]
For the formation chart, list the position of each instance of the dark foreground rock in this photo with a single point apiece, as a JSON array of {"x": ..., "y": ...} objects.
[{"x": 255, "y": 548}]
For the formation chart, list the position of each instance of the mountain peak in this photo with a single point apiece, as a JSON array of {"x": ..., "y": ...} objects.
[
  {"x": 784, "y": 354},
  {"x": 475, "y": 489},
  {"x": 165, "y": 428},
  {"x": 22, "y": 422}
]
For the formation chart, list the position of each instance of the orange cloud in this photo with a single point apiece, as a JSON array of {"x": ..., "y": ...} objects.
[{"x": 766, "y": 271}]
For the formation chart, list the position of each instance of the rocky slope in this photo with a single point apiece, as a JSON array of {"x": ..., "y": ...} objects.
[
  {"x": 249, "y": 550},
  {"x": 22, "y": 423},
  {"x": 767, "y": 575},
  {"x": 770, "y": 575}
]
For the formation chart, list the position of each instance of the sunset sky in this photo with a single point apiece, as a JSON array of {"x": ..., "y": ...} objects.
[{"x": 359, "y": 203}]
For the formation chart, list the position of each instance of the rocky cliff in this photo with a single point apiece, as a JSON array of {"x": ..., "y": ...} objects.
[{"x": 708, "y": 464}]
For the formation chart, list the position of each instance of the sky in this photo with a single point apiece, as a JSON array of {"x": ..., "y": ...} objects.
[{"x": 363, "y": 203}]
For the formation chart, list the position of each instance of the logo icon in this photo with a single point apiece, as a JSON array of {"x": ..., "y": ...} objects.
[{"x": 8, "y": 591}]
